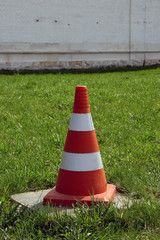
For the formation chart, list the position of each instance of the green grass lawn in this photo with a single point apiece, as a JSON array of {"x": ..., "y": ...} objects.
[{"x": 35, "y": 111}]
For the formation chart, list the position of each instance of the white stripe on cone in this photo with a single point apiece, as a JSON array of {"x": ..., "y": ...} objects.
[
  {"x": 81, "y": 161},
  {"x": 81, "y": 122}
]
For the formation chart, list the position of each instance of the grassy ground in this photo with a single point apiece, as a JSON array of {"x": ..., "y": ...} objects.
[{"x": 35, "y": 110}]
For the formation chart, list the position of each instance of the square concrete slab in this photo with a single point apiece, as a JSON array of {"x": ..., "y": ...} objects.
[{"x": 34, "y": 200}]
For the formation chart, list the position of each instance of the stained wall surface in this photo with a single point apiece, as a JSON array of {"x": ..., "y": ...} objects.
[{"x": 56, "y": 34}]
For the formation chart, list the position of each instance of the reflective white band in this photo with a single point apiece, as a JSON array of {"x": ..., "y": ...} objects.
[
  {"x": 81, "y": 161},
  {"x": 81, "y": 122}
]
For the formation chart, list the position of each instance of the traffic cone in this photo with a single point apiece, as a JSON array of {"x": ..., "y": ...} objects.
[{"x": 81, "y": 175}]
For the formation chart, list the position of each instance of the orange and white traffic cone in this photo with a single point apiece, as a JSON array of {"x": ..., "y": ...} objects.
[{"x": 81, "y": 175}]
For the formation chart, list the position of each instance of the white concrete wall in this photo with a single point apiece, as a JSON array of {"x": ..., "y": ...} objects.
[{"x": 55, "y": 34}]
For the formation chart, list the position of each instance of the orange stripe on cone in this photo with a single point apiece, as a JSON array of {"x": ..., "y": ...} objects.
[
  {"x": 81, "y": 142},
  {"x": 81, "y": 176},
  {"x": 72, "y": 182}
]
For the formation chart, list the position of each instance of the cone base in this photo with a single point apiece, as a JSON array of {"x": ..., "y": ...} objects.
[{"x": 55, "y": 198}]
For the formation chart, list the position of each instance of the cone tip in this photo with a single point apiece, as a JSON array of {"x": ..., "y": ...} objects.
[
  {"x": 81, "y": 88},
  {"x": 81, "y": 104}
]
